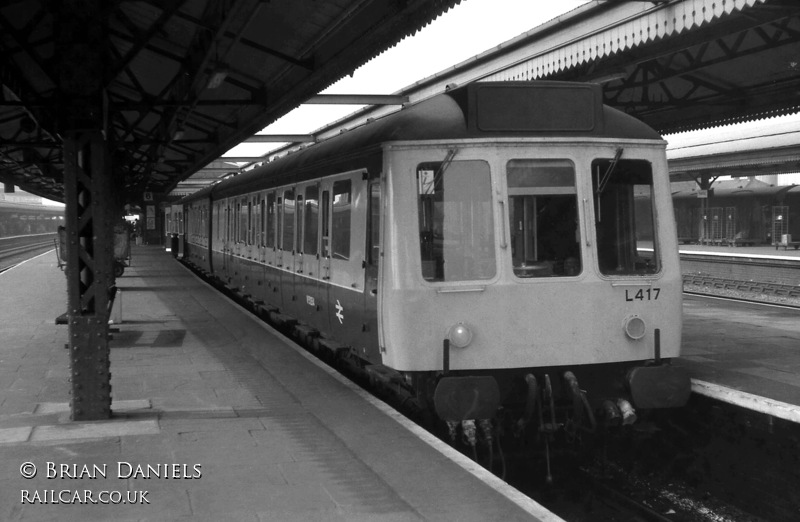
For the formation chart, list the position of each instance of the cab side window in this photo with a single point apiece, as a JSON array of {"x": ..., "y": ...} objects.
[{"x": 456, "y": 225}]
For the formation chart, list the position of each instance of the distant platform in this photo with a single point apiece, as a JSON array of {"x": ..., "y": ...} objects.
[{"x": 766, "y": 251}]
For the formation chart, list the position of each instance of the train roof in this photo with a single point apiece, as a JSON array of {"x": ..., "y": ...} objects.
[{"x": 477, "y": 110}]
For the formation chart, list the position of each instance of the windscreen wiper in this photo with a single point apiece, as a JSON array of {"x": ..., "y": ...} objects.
[
  {"x": 448, "y": 159},
  {"x": 607, "y": 175}
]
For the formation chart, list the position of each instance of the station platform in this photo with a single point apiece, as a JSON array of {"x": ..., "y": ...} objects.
[
  {"x": 215, "y": 417},
  {"x": 743, "y": 353}
]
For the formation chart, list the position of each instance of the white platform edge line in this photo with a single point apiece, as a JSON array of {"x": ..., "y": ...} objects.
[
  {"x": 524, "y": 502},
  {"x": 748, "y": 302},
  {"x": 25, "y": 261},
  {"x": 764, "y": 405},
  {"x": 737, "y": 254}
]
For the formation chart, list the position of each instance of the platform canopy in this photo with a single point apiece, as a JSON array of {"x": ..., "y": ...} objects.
[
  {"x": 756, "y": 150},
  {"x": 180, "y": 81},
  {"x": 677, "y": 65}
]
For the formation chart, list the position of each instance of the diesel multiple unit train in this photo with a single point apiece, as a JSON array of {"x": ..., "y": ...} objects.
[{"x": 504, "y": 252}]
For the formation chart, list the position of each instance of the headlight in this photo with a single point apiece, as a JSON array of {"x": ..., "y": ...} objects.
[
  {"x": 634, "y": 327},
  {"x": 459, "y": 335}
]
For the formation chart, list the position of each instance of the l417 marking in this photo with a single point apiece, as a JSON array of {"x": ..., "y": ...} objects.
[{"x": 651, "y": 294}]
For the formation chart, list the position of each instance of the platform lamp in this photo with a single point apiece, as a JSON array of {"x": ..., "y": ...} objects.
[{"x": 217, "y": 76}]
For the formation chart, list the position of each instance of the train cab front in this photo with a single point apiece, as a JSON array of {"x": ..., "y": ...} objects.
[{"x": 533, "y": 273}]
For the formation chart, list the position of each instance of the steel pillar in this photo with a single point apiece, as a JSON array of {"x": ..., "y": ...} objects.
[
  {"x": 89, "y": 248},
  {"x": 81, "y": 47}
]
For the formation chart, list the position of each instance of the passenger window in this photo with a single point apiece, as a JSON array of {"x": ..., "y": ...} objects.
[
  {"x": 342, "y": 206},
  {"x": 288, "y": 220},
  {"x": 456, "y": 228},
  {"x": 543, "y": 218},
  {"x": 311, "y": 225},
  {"x": 626, "y": 238}
]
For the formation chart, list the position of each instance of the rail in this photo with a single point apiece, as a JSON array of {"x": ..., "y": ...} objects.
[
  {"x": 776, "y": 289},
  {"x": 15, "y": 249}
]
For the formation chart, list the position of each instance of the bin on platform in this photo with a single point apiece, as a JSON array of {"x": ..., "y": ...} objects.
[{"x": 122, "y": 249}]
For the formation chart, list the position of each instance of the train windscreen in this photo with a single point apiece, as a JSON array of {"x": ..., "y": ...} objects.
[
  {"x": 626, "y": 238},
  {"x": 456, "y": 228},
  {"x": 543, "y": 218}
]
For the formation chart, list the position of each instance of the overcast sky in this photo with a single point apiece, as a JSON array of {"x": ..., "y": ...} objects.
[{"x": 469, "y": 29}]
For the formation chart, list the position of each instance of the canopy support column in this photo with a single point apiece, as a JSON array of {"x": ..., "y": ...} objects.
[{"x": 89, "y": 271}]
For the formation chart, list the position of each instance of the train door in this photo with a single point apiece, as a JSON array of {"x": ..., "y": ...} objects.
[
  {"x": 234, "y": 244},
  {"x": 258, "y": 218},
  {"x": 325, "y": 233},
  {"x": 227, "y": 236},
  {"x": 310, "y": 292},
  {"x": 279, "y": 230},
  {"x": 309, "y": 246},
  {"x": 168, "y": 228},
  {"x": 286, "y": 248},
  {"x": 258, "y": 247},
  {"x": 344, "y": 209},
  {"x": 249, "y": 245},
  {"x": 286, "y": 208},
  {"x": 271, "y": 253},
  {"x": 236, "y": 218},
  {"x": 373, "y": 256},
  {"x": 233, "y": 238},
  {"x": 244, "y": 231},
  {"x": 249, "y": 264},
  {"x": 182, "y": 231},
  {"x": 215, "y": 235},
  {"x": 270, "y": 215}
]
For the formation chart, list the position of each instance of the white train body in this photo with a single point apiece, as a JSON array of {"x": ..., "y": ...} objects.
[{"x": 519, "y": 321}]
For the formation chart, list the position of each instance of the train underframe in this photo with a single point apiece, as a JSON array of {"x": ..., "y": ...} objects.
[
  {"x": 546, "y": 406},
  {"x": 580, "y": 398}
]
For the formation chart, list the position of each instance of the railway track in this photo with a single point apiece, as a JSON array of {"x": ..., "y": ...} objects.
[
  {"x": 775, "y": 294},
  {"x": 754, "y": 287},
  {"x": 14, "y": 250}
]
